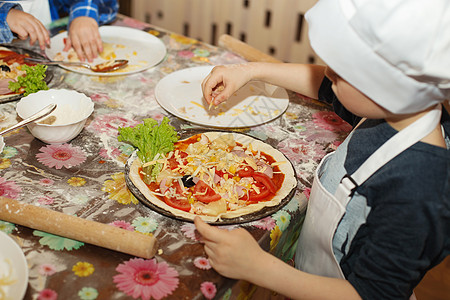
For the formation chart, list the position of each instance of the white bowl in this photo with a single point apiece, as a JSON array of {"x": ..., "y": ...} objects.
[
  {"x": 2, "y": 144},
  {"x": 73, "y": 109}
]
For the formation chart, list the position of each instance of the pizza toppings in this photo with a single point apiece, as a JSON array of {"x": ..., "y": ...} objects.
[
  {"x": 5, "y": 68},
  {"x": 211, "y": 177},
  {"x": 153, "y": 142},
  {"x": 20, "y": 76},
  {"x": 215, "y": 175},
  {"x": 31, "y": 82},
  {"x": 10, "y": 57}
]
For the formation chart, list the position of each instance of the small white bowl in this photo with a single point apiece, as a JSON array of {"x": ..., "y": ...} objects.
[
  {"x": 2, "y": 144},
  {"x": 73, "y": 109}
]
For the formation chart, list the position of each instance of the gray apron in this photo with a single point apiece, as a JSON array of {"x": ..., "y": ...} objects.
[{"x": 315, "y": 250}]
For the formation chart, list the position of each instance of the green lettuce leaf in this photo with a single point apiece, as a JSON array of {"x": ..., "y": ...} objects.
[
  {"x": 32, "y": 82},
  {"x": 150, "y": 139}
]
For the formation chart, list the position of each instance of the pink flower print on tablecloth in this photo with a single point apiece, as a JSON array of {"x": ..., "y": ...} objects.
[
  {"x": 47, "y": 294},
  {"x": 307, "y": 192},
  {"x": 185, "y": 53},
  {"x": 109, "y": 153},
  {"x": 100, "y": 98},
  {"x": 202, "y": 263},
  {"x": 133, "y": 23},
  {"x": 330, "y": 121},
  {"x": 46, "y": 182},
  {"x": 146, "y": 278},
  {"x": 109, "y": 124},
  {"x": 208, "y": 289},
  {"x": 158, "y": 117},
  {"x": 189, "y": 231},
  {"x": 122, "y": 224},
  {"x": 9, "y": 189},
  {"x": 46, "y": 200},
  {"x": 63, "y": 155},
  {"x": 268, "y": 223},
  {"x": 47, "y": 269},
  {"x": 298, "y": 150}
]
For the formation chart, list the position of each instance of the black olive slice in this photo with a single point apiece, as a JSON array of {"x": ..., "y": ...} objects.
[
  {"x": 187, "y": 181},
  {"x": 5, "y": 68}
]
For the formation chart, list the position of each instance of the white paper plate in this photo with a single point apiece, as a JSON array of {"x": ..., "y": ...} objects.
[
  {"x": 12, "y": 253},
  {"x": 180, "y": 93},
  {"x": 142, "y": 49}
]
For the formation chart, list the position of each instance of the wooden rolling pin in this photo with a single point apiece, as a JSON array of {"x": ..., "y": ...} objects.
[
  {"x": 95, "y": 233},
  {"x": 245, "y": 50}
]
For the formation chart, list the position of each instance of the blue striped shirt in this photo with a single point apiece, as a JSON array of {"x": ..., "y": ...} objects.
[
  {"x": 6, "y": 35},
  {"x": 103, "y": 11}
]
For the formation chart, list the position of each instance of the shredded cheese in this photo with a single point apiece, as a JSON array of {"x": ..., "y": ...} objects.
[{"x": 204, "y": 159}]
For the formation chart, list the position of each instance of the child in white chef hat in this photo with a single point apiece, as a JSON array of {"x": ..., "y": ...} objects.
[{"x": 378, "y": 216}]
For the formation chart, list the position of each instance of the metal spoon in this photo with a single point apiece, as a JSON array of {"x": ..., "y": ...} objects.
[
  {"x": 37, "y": 116},
  {"x": 107, "y": 66}
]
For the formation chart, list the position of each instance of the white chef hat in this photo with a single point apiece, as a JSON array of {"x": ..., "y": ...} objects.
[{"x": 397, "y": 52}]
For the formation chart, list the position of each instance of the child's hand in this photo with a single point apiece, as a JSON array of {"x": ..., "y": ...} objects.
[
  {"x": 84, "y": 38},
  {"x": 232, "y": 253},
  {"x": 223, "y": 81},
  {"x": 26, "y": 25}
]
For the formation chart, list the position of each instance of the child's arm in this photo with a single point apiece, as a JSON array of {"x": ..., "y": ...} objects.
[
  {"x": 6, "y": 36},
  {"x": 26, "y": 25},
  {"x": 237, "y": 255},
  {"x": 85, "y": 38},
  {"x": 300, "y": 78},
  {"x": 85, "y": 18}
]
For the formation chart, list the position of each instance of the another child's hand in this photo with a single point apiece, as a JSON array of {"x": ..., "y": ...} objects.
[
  {"x": 26, "y": 25},
  {"x": 85, "y": 38},
  {"x": 223, "y": 81},
  {"x": 231, "y": 253}
]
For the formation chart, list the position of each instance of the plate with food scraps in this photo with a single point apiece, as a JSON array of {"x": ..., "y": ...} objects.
[
  {"x": 256, "y": 103},
  {"x": 13, "y": 269},
  {"x": 11, "y": 60},
  {"x": 143, "y": 50}
]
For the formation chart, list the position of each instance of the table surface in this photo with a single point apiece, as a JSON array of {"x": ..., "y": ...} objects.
[{"x": 91, "y": 185}]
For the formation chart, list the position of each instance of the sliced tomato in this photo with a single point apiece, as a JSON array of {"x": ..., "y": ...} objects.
[
  {"x": 4, "y": 53},
  {"x": 204, "y": 193},
  {"x": 180, "y": 202},
  {"x": 246, "y": 172},
  {"x": 222, "y": 173},
  {"x": 174, "y": 163},
  {"x": 219, "y": 173},
  {"x": 266, "y": 181},
  {"x": 253, "y": 196},
  {"x": 13, "y": 57}
]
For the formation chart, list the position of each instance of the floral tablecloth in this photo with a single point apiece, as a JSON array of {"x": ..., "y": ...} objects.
[{"x": 85, "y": 177}]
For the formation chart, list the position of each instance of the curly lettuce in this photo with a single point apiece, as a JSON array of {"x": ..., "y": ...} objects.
[
  {"x": 30, "y": 83},
  {"x": 151, "y": 139}
]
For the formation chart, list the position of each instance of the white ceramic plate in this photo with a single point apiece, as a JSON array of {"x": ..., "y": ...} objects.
[
  {"x": 255, "y": 103},
  {"x": 12, "y": 259},
  {"x": 2, "y": 144},
  {"x": 142, "y": 49}
]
